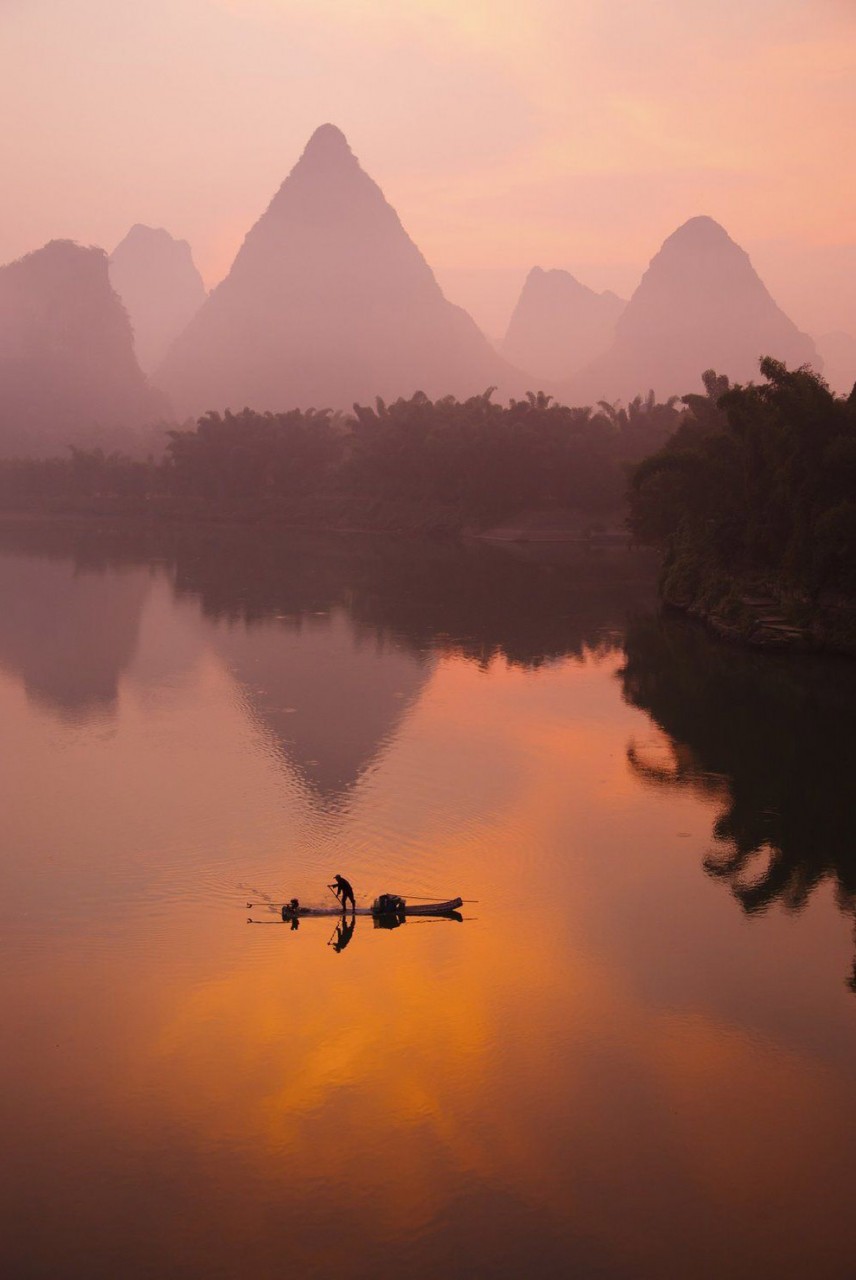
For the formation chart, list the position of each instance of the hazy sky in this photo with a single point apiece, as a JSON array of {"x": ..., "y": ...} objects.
[{"x": 575, "y": 133}]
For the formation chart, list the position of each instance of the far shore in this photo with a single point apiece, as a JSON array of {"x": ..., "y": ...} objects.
[{"x": 341, "y": 514}]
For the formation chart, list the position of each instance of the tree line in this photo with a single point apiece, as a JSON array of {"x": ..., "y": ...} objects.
[
  {"x": 740, "y": 481},
  {"x": 485, "y": 458}
]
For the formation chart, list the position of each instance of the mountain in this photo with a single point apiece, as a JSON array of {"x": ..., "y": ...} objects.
[
  {"x": 558, "y": 325},
  {"x": 838, "y": 351},
  {"x": 67, "y": 364},
  {"x": 700, "y": 305},
  {"x": 328, "y": 301},
  {"x": 156, "y": 278}
]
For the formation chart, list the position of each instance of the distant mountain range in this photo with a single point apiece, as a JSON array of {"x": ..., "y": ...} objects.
[
  {"x": 156, "y": 278},
  {"x": 700, "y": 305},
  {"x": 67, "y": 364},
  {"x": 328, "y": 302}
]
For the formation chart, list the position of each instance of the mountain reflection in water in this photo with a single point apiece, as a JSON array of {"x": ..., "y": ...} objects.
[
  {"x": 47, "y": 634},
  {"x": 353, "y": 628}
]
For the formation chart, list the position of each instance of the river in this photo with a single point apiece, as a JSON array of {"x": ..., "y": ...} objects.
[{"x": 634, "y": 1055}]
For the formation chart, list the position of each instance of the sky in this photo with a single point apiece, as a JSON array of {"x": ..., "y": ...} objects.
[{"x": 506, "y": 133}]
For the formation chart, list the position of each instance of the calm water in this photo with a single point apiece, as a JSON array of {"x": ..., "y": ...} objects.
[{"x": 633, "y": 1058}]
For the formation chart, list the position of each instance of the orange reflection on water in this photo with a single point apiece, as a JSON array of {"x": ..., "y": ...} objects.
[{"x": 523, "y": 1080}]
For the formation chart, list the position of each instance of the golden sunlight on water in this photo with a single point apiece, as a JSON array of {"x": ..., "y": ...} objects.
[{"x": 606, "y": 1069}]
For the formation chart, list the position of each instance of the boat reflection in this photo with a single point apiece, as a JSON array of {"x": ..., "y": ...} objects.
[
  {"x": 393, "y": 915},
  {"x": 394, "y": 920}
]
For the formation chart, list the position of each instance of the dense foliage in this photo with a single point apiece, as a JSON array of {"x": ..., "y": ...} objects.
[
  {"x": 758, "y": 480},
  {"x": 483, "y": 457}
]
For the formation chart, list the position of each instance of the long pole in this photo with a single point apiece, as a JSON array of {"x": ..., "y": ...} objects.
[{"x": 250, "y": 905}]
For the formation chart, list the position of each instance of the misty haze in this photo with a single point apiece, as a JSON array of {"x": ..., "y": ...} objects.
[{"x": 428, "y": 639}]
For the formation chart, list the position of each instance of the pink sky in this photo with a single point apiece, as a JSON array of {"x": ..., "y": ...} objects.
[{"x": 573, "y": 133}]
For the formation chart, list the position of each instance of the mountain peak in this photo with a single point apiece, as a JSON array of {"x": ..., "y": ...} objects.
[
  {"x": 327, "y": 302},
  {"x": 699, "y": 233},
  {"x": 67, "y": 363},
  {"x": 559, "y": 324},
  {"x": 325, "y": 171},
  {"x": 327, "y": 143},
  {"x": 141, "y": 235},
  {"x": 700, "y": 305},
  {"x": 155, "y": 276}
]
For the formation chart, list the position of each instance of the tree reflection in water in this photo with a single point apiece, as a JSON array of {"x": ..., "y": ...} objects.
[
  {"x": 774, "y": 735},
  {"x": 529, "y": 606}
]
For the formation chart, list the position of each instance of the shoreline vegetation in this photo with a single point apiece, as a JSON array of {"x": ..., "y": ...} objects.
[
  {"x": 531, "y": 470},
  {"x": 747, "y": 492},
  {"x": 753, "y": 503}
]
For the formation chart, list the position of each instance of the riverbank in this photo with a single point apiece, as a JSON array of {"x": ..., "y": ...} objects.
[
  {"x": 341, "y": 513},
  {"x": 761, "y": 612}
]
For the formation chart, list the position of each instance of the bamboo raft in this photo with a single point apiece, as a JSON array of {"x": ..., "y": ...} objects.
[{"x": 386, "y": 905}]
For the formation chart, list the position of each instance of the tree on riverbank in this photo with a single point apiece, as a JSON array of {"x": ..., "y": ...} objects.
[{"x": 758, "y": 481}]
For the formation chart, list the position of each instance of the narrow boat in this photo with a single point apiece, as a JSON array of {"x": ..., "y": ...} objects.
[
  {"x": 425, "y": 908},
  {"x": 388, "y": 904}
]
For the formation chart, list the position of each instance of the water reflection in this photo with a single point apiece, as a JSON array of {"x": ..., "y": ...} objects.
[
  {"x": 329, "y": 698},
  {"x": 344, "y": 933},
  {"x": 773, "y": 738},
  {"x": 607, "y": 1073},
  {"x": 330, "y": 640},
  {"x": 477, "y": 601},
  {"x": 68, "y": 632}
]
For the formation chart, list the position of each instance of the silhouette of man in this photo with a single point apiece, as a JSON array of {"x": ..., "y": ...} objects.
[
  {"x": 344, "y": 892},
  {"x": 344, "y": 932}
]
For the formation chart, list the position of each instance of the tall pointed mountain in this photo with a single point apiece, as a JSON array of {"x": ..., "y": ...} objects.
[
  {"x": 328, "y": 301},
  {"x": 67, "y": 364},
  {"x": 156, "y": 278},
  {"x": 559, "y": 325},
  {"x": 700, "y": 305}
]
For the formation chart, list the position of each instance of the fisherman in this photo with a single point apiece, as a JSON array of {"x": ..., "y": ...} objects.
[{"x": 343, "y": 891}]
